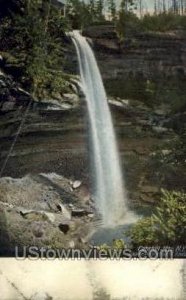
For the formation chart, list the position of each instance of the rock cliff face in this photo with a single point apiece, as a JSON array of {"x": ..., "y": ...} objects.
[
  {"x": 52, "y": 128},
  {"x": 144, "y": 54}
]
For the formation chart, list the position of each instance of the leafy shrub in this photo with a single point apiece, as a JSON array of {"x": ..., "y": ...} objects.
[
  {"x": 117, "y": 244},
  {"x": 167, "y": 226}
]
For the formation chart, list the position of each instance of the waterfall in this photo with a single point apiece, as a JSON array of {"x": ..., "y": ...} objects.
[{"x": 108, "y": 188}]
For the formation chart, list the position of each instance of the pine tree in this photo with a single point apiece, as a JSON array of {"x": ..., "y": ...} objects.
[
  {"x": 99, "y": 9},
  {"x": 92, "y": 8},
  {"x": 35, "y": 41},
  {"x": 112, "y": 9}
]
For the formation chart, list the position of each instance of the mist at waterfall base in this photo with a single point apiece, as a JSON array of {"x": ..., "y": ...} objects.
[{"x": 108, "y": 188}]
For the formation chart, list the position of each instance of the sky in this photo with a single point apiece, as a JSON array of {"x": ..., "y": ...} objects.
[{"x": 150, "y": 4}]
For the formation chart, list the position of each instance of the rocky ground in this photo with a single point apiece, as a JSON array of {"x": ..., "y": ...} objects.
[{"x": 44, "y": 210}]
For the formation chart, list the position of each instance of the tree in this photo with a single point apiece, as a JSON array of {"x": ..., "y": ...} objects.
[
  {"x": 175, "y": 6},
  {"x": 99, "y": 10},
  {"x": 140, "y": 8},
  {"x": 164, "y": 6},
  {"x": 120, "y": 24},
  {"x": 124, "y": 15},
  {"x": 35, "y": 41},
  {"x": 8, "y": 7},
  {"x": 112, "y": 9},
  {"x": 92, "y": 9},
  {"x": 127, "y": 5},
  {"x": 170, "y": 6},
  {"x": 79, "y": 13}
]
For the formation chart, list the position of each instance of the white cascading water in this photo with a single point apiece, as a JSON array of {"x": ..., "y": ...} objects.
[{"x": 108, "y": 192}]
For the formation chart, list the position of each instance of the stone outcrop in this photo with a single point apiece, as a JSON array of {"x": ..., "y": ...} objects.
[
  {"x": 145, "y": 54},
  {"x": 40, "y": 211},
  {"x": 51, "y": 137}
]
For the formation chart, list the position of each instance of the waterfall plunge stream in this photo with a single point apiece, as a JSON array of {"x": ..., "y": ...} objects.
[{"x": 108, "y": 189}]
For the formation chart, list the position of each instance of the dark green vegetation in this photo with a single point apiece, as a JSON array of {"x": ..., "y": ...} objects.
[
  {"x": 153, "y": 92},
  {"x": 129, "y": 22},
  {"x": 167, "y": 226},
  {"x": 33, "y": 46},
  {"x": 163, "y": 22}
]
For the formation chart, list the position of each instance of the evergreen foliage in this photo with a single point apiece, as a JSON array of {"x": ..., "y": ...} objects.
[
  {"x": 162, "y": 22},
  {"x": 34, "y": 40}
]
